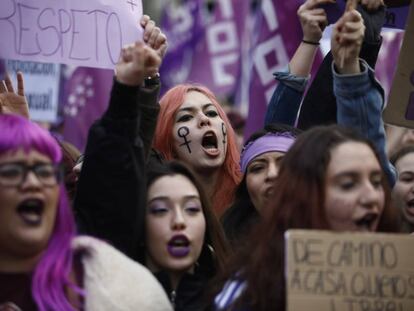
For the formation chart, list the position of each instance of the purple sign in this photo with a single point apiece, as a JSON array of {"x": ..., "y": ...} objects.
[
  {"x": 77, "y": 32},
  {"x": 394, "y": 17},
  {"x": 205, "y": 43},
  {"x": 86, "y": 96},
  {"x": 278, "y": 34}
]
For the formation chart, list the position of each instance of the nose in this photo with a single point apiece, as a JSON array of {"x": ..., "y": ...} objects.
[
  {"x": 178, "y": 221},
  {"x": 204, "y": 120},
  {"x": 371, "y": 196},
  {"x": 272, "y": 171},
  {"x": 31, "y": 181}
]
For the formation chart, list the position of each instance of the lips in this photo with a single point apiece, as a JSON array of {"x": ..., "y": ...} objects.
[
  {"x": 210, "y": 144},
  {"x": 367, "y": 222},
  {"x": 31, "y": 211},
  {"x": 178, "y": 246}
]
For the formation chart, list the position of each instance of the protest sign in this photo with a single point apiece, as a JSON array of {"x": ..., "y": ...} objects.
[
  {"x": 77, "y": 32},
  {"x": 400, "y": 108},
  {"x": 328, "y": 271},
  {"x": 395, "y": 17},
  {"x": 41, "y": 85}
]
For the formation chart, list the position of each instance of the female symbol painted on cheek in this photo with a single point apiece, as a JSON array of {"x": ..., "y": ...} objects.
[
  {"x": 224, "y": 131},
  {"x": 183, "y": 133},
  {"x": 409, "y": 114}
]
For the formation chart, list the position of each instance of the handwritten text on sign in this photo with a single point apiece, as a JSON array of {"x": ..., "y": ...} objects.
[
  {"x": 85, "y": 33},
  {"x": 349, "y": 271}
]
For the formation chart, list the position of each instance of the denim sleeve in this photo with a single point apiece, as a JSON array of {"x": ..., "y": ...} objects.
[
  {"x": 360, "y": 100},
  {"x": 285, "y": 102}
]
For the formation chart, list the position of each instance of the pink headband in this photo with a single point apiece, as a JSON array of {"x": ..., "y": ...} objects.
[{"x": 270, "y": 142}]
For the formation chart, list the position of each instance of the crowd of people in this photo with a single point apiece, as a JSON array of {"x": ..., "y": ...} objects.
[{"x": 162, "y": 211}]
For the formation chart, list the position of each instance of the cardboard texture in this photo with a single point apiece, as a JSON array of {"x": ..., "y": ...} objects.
[
  {"x": 328, "y": 271},
  {"x": 400, "y": 108}
]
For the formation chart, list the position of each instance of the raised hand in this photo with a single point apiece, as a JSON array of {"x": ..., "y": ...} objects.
[
  {"x": 12, "y": 102},
  {"x": 313, "y": 19},
  {"x": 346, "y": 41},
  {"x": 153, "y": 36},
  {"x": 137, "y": 62}
]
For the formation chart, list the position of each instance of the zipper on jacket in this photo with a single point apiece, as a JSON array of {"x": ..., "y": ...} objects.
[{"x": 172, "y": 297}]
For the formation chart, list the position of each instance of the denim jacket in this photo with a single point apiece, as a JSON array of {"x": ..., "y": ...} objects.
[{"x": 360, "y": 100}]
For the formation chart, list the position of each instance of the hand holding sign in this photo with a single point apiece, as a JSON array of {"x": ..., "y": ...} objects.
[
  {"x": 12, "y": 102},
  {"x": 346, "y": 41},
  {"x": 153, "y": 36},
  {"x": 313, "y": 19}
]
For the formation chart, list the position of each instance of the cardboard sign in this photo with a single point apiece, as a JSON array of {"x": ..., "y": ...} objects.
[
  {"x": 400, "y": 108},
  {"x": 87, "y": 33},
  {"x": 395, "y": 17},
  {"x": 41, "y": 84},
  {"x": 329, "y": 271}
]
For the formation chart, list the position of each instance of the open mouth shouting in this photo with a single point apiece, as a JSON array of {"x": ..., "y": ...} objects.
[
  {"x": 368, "y": 222},
  {"x": 209, "y": 144},
  {"x": 31, "y": 211},
  {"x": 178, "y": 246},
  {"x": 410, "y": 207}
]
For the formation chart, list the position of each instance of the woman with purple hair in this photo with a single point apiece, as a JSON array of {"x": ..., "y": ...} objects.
[{"x": 43, "y": 266}]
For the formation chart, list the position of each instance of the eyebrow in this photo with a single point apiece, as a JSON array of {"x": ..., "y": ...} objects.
[
  {"x": 204, "y": 107},
  {"x": 354, "y": 174},
  {"x": 166, "y": 198}
]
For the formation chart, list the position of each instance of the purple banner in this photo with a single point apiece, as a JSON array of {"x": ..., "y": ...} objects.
[
  {"x": 86, "y": 96},
  {"x": 388, "y": 59},
  {"x": 394, "y": 17},
  {"x": 278, "y": 34},
  {"x": 205, "y": 43}
]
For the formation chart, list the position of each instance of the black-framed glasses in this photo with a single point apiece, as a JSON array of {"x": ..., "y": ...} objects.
[{"x": 13, "y": 174}]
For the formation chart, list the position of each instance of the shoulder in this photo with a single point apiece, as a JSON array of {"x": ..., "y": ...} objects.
[{"x": 112, "y": 281}]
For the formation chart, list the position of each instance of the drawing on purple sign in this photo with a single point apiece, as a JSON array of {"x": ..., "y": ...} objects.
[
  {"x": 77, "y": 32},
  {"x": 409, "y": 115}
]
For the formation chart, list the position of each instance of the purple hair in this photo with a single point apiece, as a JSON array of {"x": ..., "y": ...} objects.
[{"x": 51, "y": 275}]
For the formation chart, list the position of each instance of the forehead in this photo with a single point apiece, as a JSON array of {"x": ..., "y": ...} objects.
[
  {"x": 172, "y": 186},
  {"x": 269, "y": 156},
  {"x": 352, "y": 156},
  {"x": 406, "y": 162},
  {"x": 195, "y": 99},
  {"x": 20, "y": 155}
]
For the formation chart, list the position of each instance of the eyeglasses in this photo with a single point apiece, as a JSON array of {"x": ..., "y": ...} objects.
[{"x": 15, "y": 173}]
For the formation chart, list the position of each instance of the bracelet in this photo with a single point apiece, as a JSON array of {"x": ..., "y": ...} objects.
[
  {"x": 310, "y": 42},
  {"x": 154, "y": 80}
]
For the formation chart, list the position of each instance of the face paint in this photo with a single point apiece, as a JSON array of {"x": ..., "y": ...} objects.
[
  {"x": 183, "y": 133},
  {"x": 224, "y": 131}
]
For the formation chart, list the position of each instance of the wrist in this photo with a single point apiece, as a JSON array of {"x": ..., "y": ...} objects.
[{"x": 310, "y": 42}]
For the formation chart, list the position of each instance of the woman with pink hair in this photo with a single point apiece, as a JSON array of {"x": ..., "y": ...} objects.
[{"x": 192, "y": 127}]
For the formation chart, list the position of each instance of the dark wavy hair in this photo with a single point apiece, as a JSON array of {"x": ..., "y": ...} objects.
[
  {"x": 238, "y": 220},
  {"x": 298, "y": 204}
]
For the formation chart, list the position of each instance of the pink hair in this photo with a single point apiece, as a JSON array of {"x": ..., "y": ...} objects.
[{"x": 163, "y": 141}]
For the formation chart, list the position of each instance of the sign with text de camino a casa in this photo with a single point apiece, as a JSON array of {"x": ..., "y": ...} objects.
[{"x": 327, "y": 271}]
